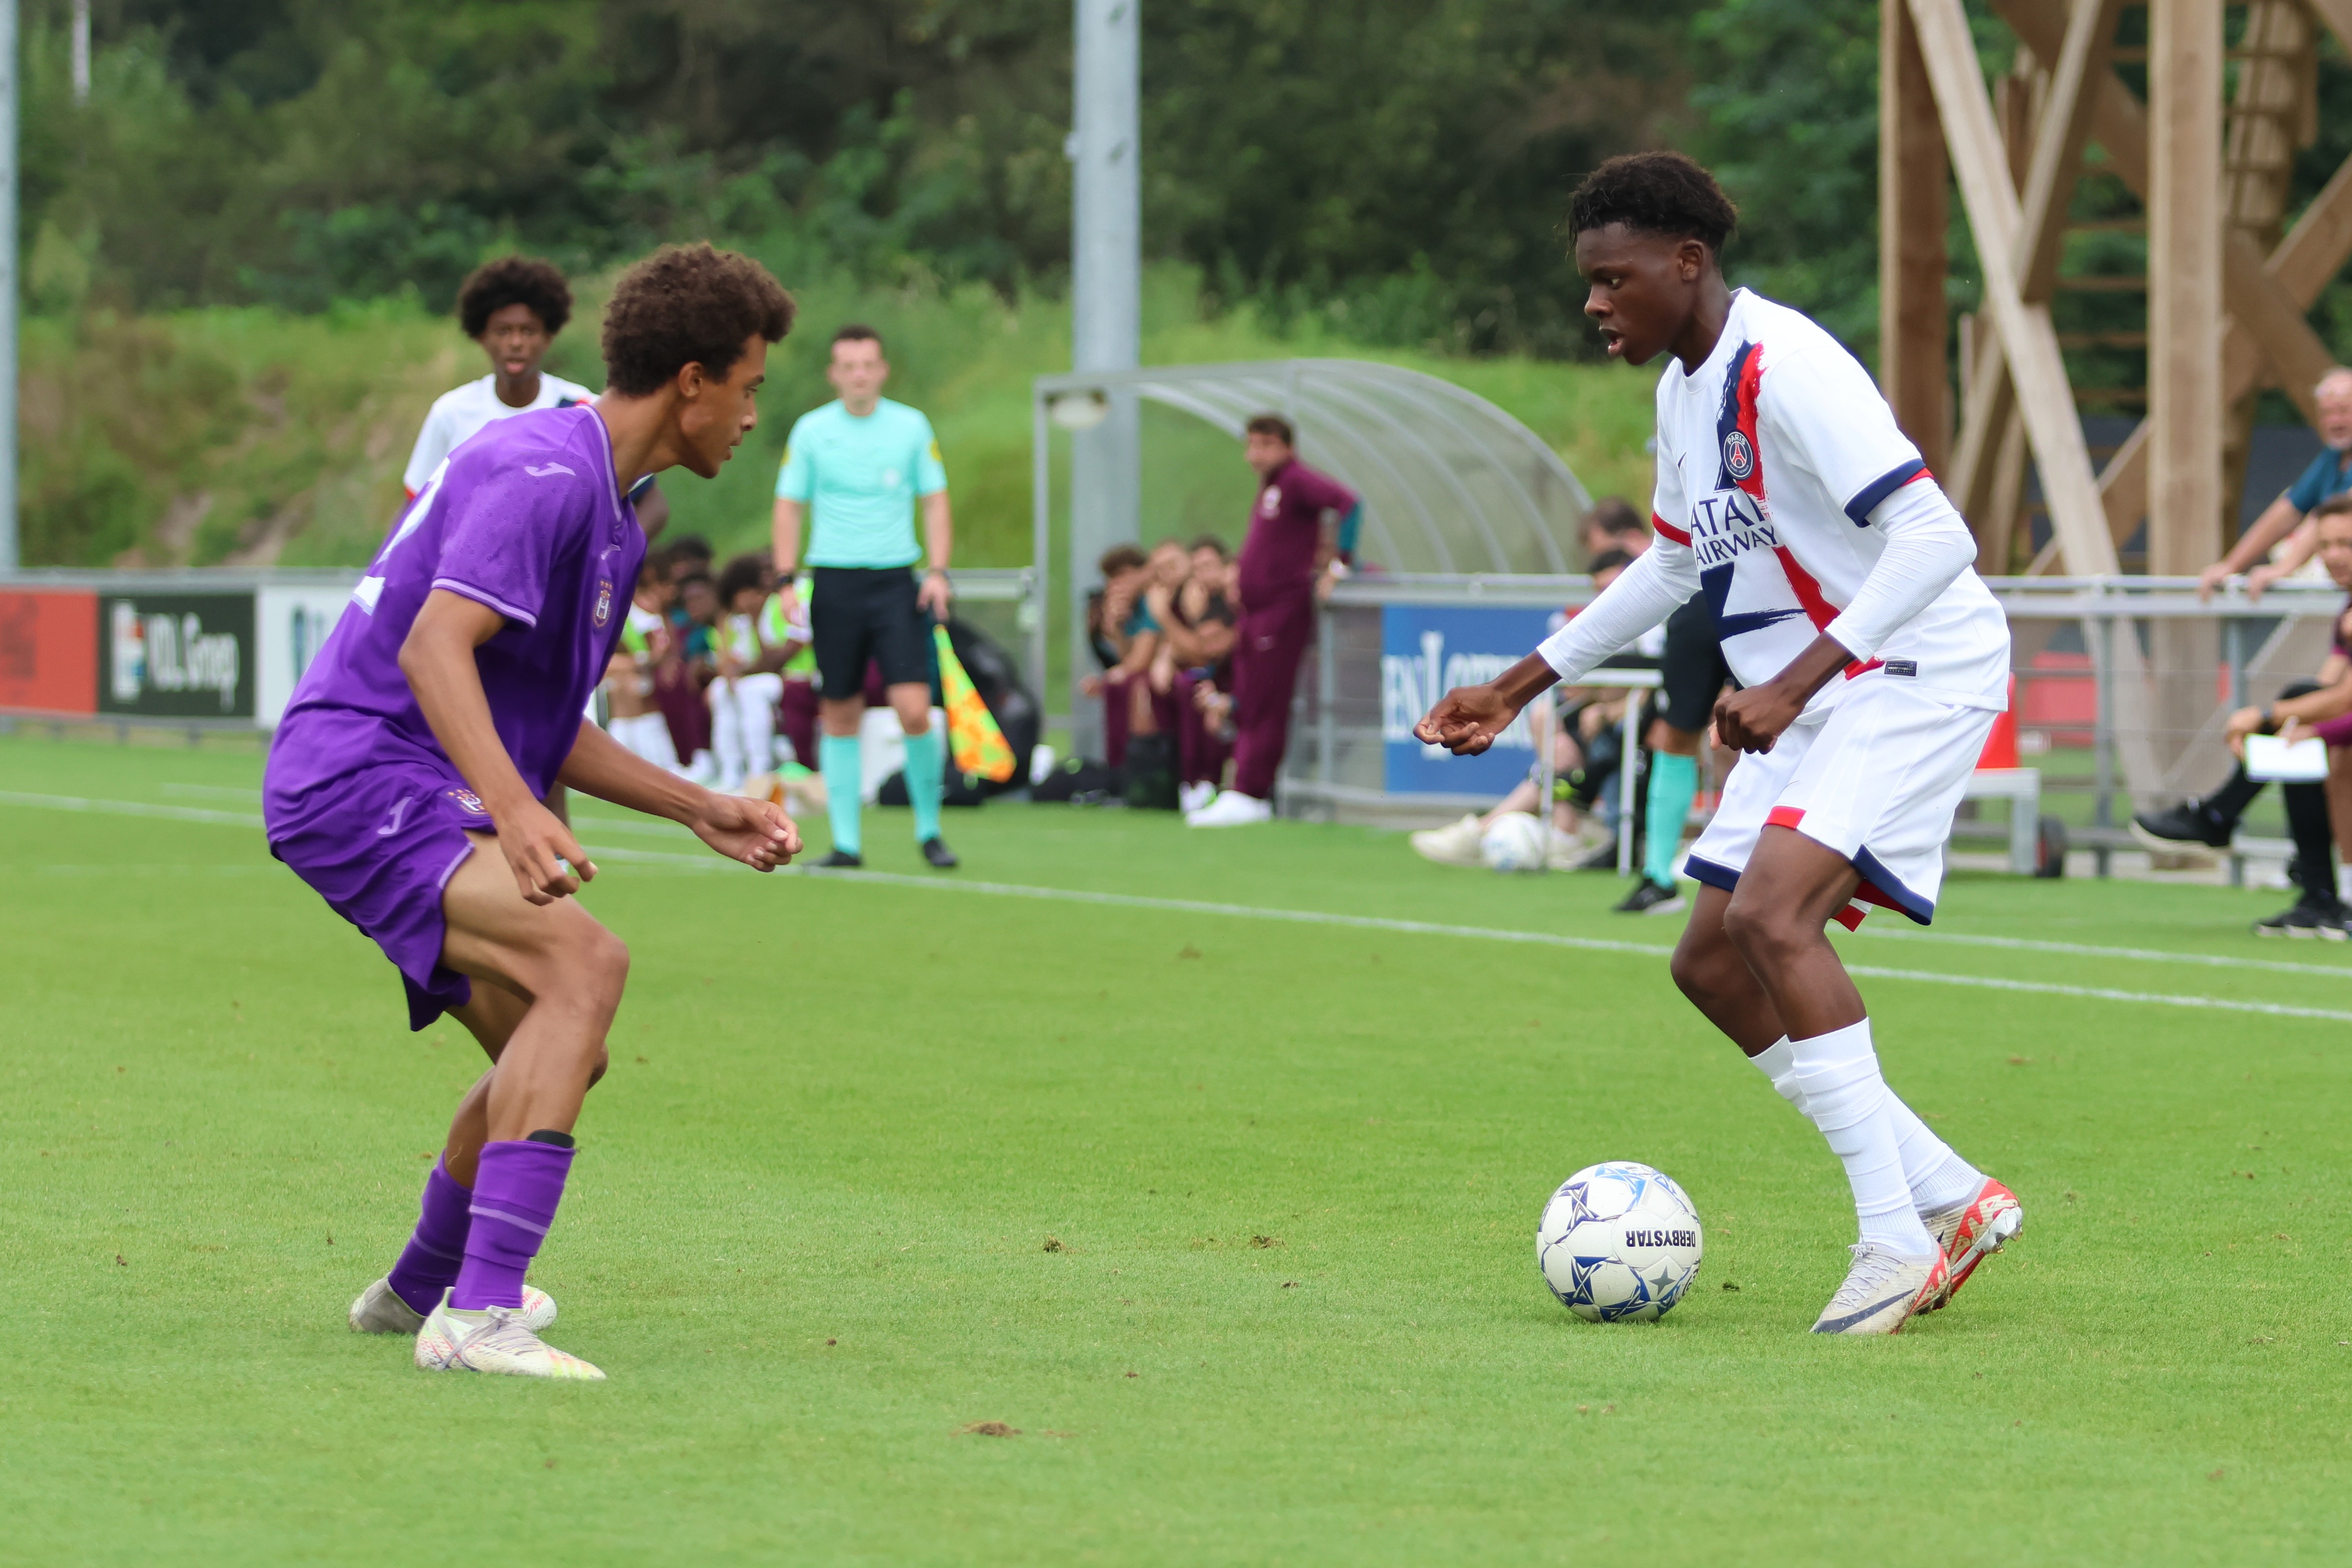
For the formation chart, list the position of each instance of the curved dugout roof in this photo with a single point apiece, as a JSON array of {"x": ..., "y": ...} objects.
[{"x": 1451, "y": 483}]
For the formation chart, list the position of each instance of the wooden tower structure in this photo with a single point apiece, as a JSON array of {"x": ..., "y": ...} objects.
[{"x": 2205, "y": 157}]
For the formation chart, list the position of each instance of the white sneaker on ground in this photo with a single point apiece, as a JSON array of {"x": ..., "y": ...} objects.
[
  {"x": 1193, "y": 796},
  {"x": 1231, "y": 809},
  {"x": 381, "y": 1311},
  {"x": 1881, "y": 1291},
  {"x": 495, "y": 1340},
  {"x": 1971, "y": 1232},
  {"x": 1456, "y": 844}
]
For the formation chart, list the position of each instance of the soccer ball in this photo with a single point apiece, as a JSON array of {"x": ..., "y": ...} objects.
[
  {"x": 1515, "y": 843},
  {"x": 1619, "y": 1243}
]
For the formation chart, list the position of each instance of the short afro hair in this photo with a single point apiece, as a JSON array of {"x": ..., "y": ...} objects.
[
  {"x": 687, "y": 304},
  {"x": 1654, "y": 193},
  {"x": 514, "y": 280}
]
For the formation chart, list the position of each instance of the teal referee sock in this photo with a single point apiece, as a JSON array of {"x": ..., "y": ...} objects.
[
  {"x": 925, "y": 769},
  {"x": 844, "y": 769},
  {"x": 1674, "y": 785}
]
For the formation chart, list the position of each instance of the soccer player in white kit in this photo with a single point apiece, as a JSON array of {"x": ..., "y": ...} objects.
[{"x": 1872, "y": 661}]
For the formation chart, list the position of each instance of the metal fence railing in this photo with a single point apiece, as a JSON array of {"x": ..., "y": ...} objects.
[{"x": 2123, "y": 684}]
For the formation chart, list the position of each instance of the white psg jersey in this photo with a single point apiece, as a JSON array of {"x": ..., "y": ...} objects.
[{"x": 1772, "y": 457}]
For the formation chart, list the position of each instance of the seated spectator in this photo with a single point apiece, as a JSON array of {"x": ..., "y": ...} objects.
[
  {"x": 2321, "y": 707},
  {"x": 742, "y": 696},
  {"x": 2293, "y": 516},
  {"x": 1197, "y": 619},
  {"x": 1587, "y": 754},
  {"x": 1124, "y": 638},
  {"x": 678, "y": 682},
  {"x": 635, "y": 718},
  {"x": 786, "y": 650},
  {"x": 690, "y": 554},
  {"x": 1612, "y": 524}
]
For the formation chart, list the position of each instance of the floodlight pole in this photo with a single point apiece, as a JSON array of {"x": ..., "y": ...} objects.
[
  {"x": 1106, "y": 305},
  {"x": 9, "y": 113}
]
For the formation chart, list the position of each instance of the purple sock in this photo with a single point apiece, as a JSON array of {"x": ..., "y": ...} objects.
[
  {"x": 515, "y": 1193},
  {"x": 429, "y": 1264}
]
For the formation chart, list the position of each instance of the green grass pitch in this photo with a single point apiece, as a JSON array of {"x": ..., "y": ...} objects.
[{"x": 1290, "y": 1171}]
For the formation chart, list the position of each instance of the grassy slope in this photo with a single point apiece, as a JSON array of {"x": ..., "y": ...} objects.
[
  {"x": 807, "y": 1233},
  {"x": 295, "y": 428}
]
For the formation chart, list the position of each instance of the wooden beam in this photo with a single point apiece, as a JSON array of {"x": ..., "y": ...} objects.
[
  {"x": 2080, "y": 64},
  {"x": 2051, "y": 175},
  {"x": 2314, "y": 249},
  {"x": 1913, "y": 215},
  {"x": 2184, "y": 279},
  {"x": 2028, "y": 340},
  {"x": 2335, "y": 16}
]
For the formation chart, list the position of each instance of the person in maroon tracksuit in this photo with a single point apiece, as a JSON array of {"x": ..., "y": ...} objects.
[{"x": 1276, "y": 583}]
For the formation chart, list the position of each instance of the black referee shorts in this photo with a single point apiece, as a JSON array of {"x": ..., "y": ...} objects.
[
  {"x": 1694, "y": 666},
  {"x": 862, "y": 613}
]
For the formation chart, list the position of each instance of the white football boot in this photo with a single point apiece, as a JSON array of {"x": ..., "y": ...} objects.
[
  {"x": 1231, "y": 809},
  {"x": 1971, "y": 1232},
  {"x": 1193, "y": 797},
  {"x": 1881, "y": 1292},
  {"x": 1456, "y": 844},
  {"x": 380, "y": 1310},
  {"x": 495, "y": 1340}
]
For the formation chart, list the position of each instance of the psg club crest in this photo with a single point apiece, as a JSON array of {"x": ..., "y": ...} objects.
[
  {"x": 1738, "y": 456},
  {"x": 603, "y": 611},
  {"x": 468, "y": 800}
]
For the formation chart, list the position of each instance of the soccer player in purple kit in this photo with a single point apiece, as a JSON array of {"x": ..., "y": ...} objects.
[
  {"x": 404, "y": 782},
  {"x": 1276, "y": 582}
]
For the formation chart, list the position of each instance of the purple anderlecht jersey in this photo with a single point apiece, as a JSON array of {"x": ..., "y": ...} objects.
[{"x": 524, "y": 518}]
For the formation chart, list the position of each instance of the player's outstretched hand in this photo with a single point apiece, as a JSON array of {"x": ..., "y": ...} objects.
[
  {"x": 547, "y": 861},
  {"x": 1467, "y": 719},
  {"x": 756, "y": 832}
]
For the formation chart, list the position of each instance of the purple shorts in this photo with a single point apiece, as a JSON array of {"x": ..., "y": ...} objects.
[
  {"x": 379, "y": 846},
  {"x": 2335, "y": 731}
]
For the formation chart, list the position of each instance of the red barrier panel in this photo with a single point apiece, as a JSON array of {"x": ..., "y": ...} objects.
[{"x": 48, "y": 651}]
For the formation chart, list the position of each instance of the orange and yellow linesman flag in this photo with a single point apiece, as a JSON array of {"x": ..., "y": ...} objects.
[{"x": 978, "y": 746}]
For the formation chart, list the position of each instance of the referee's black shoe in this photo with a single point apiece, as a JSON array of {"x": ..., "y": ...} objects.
[
  {"x": 941, "y": 857},
  {"x": 841, "y": 860}
]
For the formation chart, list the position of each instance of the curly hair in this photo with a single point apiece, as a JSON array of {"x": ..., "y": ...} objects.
[
  {"x": 748, "y": 570},
  {"x": 687, "y": 304},
  {"x": 1654, "y": 193},
  {"x": 514, "y": 280}
]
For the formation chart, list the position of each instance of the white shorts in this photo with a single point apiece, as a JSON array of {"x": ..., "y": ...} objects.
[{"x": 1877, "y": 779}]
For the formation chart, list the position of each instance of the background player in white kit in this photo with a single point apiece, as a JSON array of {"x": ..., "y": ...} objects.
[{"x": 1873, "y": 661}]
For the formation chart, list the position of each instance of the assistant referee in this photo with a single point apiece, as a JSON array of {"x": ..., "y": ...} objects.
[{"x": 858, "y": 465}]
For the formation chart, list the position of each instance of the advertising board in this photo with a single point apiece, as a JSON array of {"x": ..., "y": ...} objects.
[
  {"x": 1425, "y": 651},
  {"x": 48, "y": 651},
  {"x": 177, "y": 656},
  {"x": 291, "y": 623}
]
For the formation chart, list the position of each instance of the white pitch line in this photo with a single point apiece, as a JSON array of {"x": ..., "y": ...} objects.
[
  {"x": 2139, "y": 954},
  {"x": 128, "y": 808},
  {"x": 1541, "y": 939},
  {"x": 1315, "y": 917}
]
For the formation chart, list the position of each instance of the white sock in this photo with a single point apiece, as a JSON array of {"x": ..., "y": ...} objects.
[
  {"x": 1778, "y": 1063},
  {"x": 1837, "y": 1074},
  {"x": 1937, "y": 1177}
]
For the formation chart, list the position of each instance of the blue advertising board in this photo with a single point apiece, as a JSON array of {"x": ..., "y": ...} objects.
[{"x": 1425, "y": 651}]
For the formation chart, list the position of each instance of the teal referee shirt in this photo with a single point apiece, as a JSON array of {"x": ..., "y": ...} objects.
[{"x": 859, "y": 480}]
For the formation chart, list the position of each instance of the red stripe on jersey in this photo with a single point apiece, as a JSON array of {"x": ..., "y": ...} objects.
[
  {"x": 1669, "y": 529},
  {"x": 1785, "y": 817},
  {"x": 1869, "y": 893},
  {"x": 1850, "y": 917},
  {"x": 1751, "y": 387},
  {"x": 1818, "y": 609}
]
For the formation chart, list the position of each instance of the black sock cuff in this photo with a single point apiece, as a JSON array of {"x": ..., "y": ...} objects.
[{"x": 550, "y": 1135}]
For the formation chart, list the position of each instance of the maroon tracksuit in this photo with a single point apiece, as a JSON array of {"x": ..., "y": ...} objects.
[{"x": 1276, "y": 578}]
